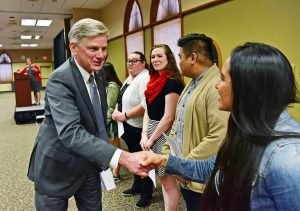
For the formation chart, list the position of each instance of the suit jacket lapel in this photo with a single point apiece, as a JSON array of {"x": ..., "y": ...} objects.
[{"x": 82, "y": 88}]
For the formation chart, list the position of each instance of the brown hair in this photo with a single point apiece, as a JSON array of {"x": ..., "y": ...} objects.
[{"x": 171, "y": 66}]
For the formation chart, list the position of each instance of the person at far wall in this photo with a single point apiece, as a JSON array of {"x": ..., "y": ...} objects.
[
  {"x": 71, "y": 146},
  {"x": 34, "y": 72}
]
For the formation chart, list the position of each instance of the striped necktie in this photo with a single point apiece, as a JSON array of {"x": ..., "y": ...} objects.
[{"x": 97, "y": 108}]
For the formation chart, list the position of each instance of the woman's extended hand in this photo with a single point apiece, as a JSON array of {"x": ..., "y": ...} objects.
[{"x": 153, "y": 160}]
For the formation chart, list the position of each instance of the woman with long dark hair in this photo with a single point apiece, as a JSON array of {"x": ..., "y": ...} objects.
[{"x": 257, "y": 166}]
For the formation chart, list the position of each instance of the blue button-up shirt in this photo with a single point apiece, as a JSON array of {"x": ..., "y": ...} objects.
[{"x": 180, "y": 111}]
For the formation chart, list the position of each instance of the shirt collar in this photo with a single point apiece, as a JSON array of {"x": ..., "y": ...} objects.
[
  {"x": 200, "y": 76},
  {"x": 283, "y": 117},
  {"x": 85, "y": 75}
]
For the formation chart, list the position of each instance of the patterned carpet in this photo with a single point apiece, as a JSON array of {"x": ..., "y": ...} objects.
[{"x": 17, "y": 191}]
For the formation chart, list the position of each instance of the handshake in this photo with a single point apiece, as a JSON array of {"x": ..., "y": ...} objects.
[{"x": 142, "y": 162}]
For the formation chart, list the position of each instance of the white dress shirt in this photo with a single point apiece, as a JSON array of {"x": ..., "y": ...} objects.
[{"x": 85, "y": 75}]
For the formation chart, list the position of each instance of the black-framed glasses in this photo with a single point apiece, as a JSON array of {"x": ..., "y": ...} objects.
[{"x": 132, "y": 62}]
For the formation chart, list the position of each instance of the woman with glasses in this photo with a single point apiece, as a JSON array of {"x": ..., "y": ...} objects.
[
  {"x": 129, "y": 111},
  {"x": 257, "y": 166},
  {"x": 162, "y": 94}
]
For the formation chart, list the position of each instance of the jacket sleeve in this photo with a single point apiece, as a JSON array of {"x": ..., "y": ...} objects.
[
  {"x": 142, "y": 87},
  {"x": 37, "y": 69},
  {"x": 112, "y": 96},
  {"x": 192, "y": 170},
  {"x": 282, "y": 173},
  {"x": 23, "y": 71}
]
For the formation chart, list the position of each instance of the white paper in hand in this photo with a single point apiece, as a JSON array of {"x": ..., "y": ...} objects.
[
  {"x": 107, "y": 180},
  {"x": 152, "y": 176},
  {"x": 120, "y": 129},
  {"x": 175, "y": 151}
]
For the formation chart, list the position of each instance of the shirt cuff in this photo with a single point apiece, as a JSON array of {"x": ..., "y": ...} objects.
[{"x": 115, "y": 159}]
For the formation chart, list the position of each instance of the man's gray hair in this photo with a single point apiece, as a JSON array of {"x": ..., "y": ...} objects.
[{"x": 86, "y": 28}]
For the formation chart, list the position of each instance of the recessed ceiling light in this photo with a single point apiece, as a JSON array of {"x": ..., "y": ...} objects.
[
  {"x": 24, "y": 45},
  {"x": 37, "y": 37},
  {"x": 26, "y": 37},
  {"x": 43, "y": 22},
  {"x": 33, "y": 45},
  {"x": 28, "y": 22},
  {"x": 1, "y": 45}
]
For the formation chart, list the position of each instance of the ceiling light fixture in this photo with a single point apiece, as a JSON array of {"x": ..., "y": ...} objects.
[
  {"x": 24, "y": 45},
  {"x": 37, "y": 37},
  {"x": 43, "y": 22},
  {"x": 1, "y": 45},
  {"x": 26, "y": 37},
  {"x": 33, "y": 45},
  {"x": 28, "y": 22}
]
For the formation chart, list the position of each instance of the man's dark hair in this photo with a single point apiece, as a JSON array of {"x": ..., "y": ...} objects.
[{"x": 197, "y": 43}]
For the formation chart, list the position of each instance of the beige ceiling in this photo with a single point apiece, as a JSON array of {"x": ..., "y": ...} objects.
[{"x": 11, "y": 12}]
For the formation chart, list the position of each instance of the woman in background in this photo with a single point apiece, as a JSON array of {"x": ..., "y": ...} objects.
[
  {"x": 34, "y": 72},
  {"x": 113, "y": 85},
  {"x": 162, "y": 94},
  {"x": 129, "y": 111},
  {"x": 257, "y": 167}
]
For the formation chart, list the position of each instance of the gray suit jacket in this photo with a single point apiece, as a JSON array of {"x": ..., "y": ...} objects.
[{"x": 67, "y": 145}]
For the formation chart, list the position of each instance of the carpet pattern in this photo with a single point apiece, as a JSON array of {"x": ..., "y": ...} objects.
[{"x": 17, "y": 192}]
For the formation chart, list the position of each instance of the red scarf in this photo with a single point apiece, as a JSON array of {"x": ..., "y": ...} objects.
[{"x": 155, "y": 85}]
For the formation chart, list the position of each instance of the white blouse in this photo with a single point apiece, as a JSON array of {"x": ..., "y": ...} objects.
[{"x": 134, "y": 96}]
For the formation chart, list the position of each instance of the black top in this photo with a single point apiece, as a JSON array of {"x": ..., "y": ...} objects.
[
  {"x": 120, "y": 96},
  {"x": 156, "y": 109}
]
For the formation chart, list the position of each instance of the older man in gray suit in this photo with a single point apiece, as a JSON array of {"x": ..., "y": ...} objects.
[{"x": 71, "y": 146}]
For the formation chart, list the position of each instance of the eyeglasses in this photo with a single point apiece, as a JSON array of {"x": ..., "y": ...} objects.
[{"x": 132, "y": 62}]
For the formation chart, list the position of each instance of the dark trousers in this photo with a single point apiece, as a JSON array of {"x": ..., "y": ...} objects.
[
  {"x": 88, "y": 197},
  {"x": 132, "y": 138},
  {"x": 192, "y": 199}
]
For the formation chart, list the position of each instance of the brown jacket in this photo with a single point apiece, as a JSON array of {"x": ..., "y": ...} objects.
[{"x": 205, "y": 125}]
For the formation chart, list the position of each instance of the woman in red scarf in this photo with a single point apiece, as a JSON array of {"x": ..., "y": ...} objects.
[{"x": 162, "y": 94}]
